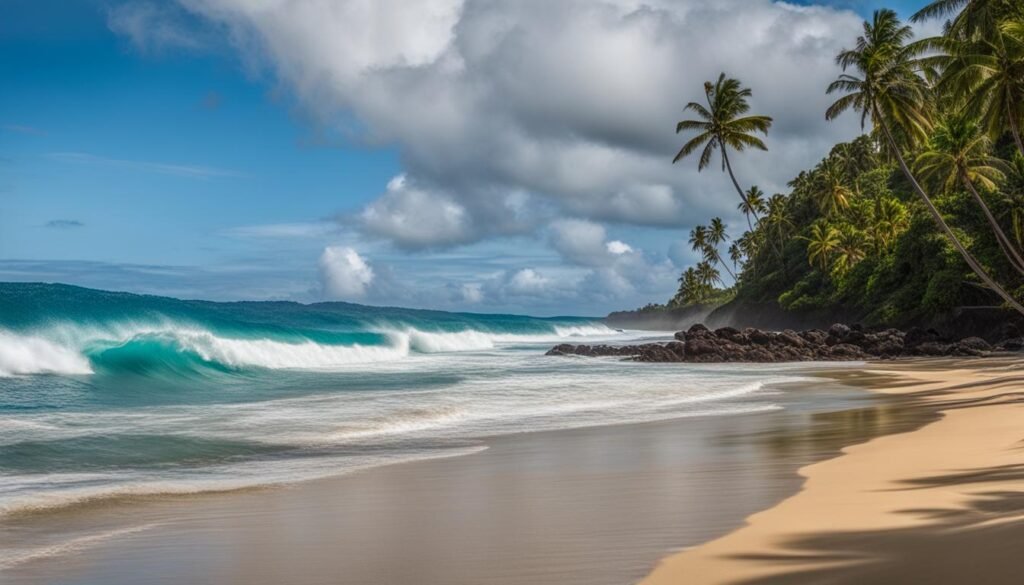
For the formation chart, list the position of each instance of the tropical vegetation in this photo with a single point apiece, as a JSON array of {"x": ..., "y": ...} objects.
[{"x": 921, "y": 214}]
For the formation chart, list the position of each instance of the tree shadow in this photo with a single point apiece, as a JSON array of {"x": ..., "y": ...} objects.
[{"x": 956, "y": 546}]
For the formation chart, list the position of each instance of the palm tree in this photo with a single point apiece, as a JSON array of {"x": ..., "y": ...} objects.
[
  {"x": 890, "y": 219},
  {"x": 708, "y": 274},
  {"x": 752, "y": 205},
  {"x": 889, "y": 91},
  {"x": 959, "y": 155},
  {"x": 691, "y": 290},
  {"x": 823, "y": 241},
  {"x": 1014, "y": 199},
  {"x": 778, "y": 221},
  {"x": 986, "y": 74},
  {"x": 716, "y": 235},
  {"x": 849, "y": 250},
  {"x": 968, "y": 18},
  {"x": 833, "y": 194},
  {"x": 722, "y": 125},
  {"x": 736, "y": 253},
  {"x": 699, "y": 239}
]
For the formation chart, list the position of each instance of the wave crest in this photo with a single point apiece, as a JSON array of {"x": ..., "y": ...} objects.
[
  {"x": 74, "y": 350},
  {"x": 29, "y": 354}
]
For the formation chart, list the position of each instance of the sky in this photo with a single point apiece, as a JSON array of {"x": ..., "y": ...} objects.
[{"x": 477, "y": 155}]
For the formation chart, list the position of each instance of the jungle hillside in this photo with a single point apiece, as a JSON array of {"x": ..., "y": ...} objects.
[{"x": 919, "y": 216}]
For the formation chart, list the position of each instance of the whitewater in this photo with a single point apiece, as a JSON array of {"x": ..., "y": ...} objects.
[{"x": 106, "y": 395}]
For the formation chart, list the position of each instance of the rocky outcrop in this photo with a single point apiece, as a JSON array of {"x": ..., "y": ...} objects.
[{"x": 840, "y": 342}]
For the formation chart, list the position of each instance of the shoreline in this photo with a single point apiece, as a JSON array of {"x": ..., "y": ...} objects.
[
  {"x": 904, "y": 507},
  {"x": 592, "y": 505}
]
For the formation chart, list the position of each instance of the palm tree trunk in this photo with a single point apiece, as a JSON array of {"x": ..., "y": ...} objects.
[
  {"x": 724, "y": 265},
  {"x": 743, "y": 197},
  {"x": 975, "y": 266},
  {"x": 1014, "y": 130},
  {"x": 1004, "y": 242},
  {"x": 728, "y": 167}
]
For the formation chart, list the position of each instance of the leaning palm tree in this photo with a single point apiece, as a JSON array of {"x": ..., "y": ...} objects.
[
  {"x": 722, "y": 125},
  {"x": 959, "y": 154},
  {"x": 888, "y": 91},
  {"x": 822, "y": 242}
]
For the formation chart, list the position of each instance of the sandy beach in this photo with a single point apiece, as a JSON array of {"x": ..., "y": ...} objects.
[{"x": 940, "y": 504}]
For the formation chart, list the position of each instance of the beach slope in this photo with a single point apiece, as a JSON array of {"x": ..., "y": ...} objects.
[{"x": 941, "y": 504}]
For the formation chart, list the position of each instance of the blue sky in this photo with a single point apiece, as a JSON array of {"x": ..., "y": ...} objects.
[{"x": 207, "y": 149}]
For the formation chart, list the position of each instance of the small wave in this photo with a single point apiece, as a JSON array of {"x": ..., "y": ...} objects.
[
  {"x": 74, "y": 545},
  {"x": 594, "y": 330}
]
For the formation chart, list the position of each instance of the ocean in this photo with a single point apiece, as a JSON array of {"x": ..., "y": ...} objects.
[{"x": 105, "y": 395}]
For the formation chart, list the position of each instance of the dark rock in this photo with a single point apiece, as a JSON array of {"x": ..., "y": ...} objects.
[
  {"x": 727, "y": 344},
  {"x": 676, "y": 347},
  {"x": 697, "y": 331},
  {"x": 814, "y": 336},
  {"x": 790, "y": 338},
  {"x": 757, "y": 336},
  {"x": 932, "y": 348},
  {"x": 1012, "y": 344},
  {"x": 729, "y": 333},
  {"x": 974, "y": 344},
  {"x": 915, "y": 336},
  {"x": 700, "y": 347},
  {"x": 846, "y": 351},
  {"x": 562, "y": 349},
  {"x": 839, "y": 331}
]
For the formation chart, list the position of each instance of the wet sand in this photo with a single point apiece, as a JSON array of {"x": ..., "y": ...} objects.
[
  {"x": 594, "y": 506},
  {"x": 941, "y": 504}
]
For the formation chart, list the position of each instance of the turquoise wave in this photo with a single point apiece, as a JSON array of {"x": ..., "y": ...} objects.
[{"x": 61, "y": 329}]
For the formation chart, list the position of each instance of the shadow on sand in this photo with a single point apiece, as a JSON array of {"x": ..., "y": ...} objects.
[{"x": 980, "y": 543}]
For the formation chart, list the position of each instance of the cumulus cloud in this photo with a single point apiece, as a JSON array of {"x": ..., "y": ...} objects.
[
  {"x": 413, "y": 217},
  {"x": 616, "y": 268},
  {"x": 573, "y": 103},
  {"x": 344, "y": 274},
  {"x": 472, "y": 293}
]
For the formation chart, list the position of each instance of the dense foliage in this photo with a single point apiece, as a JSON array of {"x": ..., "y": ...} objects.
[{"x": 923, "y": 214}]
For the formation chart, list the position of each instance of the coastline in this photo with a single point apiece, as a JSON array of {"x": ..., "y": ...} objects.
[
  {"x": 592, "y": 505},
  {"x": 900, "y": 508}
]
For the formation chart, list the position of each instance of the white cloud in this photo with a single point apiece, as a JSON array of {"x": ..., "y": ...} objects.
[
  {"x": 581, "y": 242},
  {"x": 472, "y": 293},
  {"x": 573, "y": 103},
  {"x": 344, "y": 274},
  {"x": 526, "y": 282},
  {"x": 416, "y": 218},
  {"x": 618, "y": 248},
  {"x": 617, "y": 270}
]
